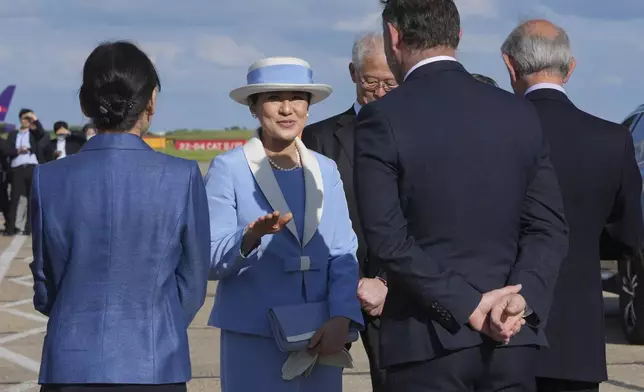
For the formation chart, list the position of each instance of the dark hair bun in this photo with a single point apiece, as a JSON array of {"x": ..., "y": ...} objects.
[{"x": 118, "y": 82}]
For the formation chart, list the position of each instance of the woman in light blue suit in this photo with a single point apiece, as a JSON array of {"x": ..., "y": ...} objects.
[{"x": 281, "y": 239}]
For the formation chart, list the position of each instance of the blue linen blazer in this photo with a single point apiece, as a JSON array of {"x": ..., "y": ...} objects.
[
  {"x": 241, "y": 187},
  {"x": 121, "y": 260}
]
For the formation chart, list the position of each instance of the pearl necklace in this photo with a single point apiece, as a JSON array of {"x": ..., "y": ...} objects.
[{"x": 278, "y": 167}]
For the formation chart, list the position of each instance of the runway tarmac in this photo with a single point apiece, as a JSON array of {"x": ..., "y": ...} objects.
[{"x": 22, "y": 331}]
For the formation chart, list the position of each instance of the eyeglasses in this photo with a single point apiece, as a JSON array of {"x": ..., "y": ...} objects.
[{"x": 371, "y": 84}]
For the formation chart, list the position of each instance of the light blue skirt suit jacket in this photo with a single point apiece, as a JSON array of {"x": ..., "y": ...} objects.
[{"x": 316, "y": 263}]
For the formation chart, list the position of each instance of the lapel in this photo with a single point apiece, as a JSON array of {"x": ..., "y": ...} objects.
[
  {"x": 263, "y": 174},
  {"x": 344, "y": 133}
]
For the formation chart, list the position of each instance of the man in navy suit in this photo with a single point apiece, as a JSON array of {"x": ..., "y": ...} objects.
[
  {"x": 334, "y": 138},
  {"x": 600, "y": 183},
  {"x": 460, "y": 203}
]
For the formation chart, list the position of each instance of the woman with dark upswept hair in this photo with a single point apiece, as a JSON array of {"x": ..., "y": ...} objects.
[{"x": 122, "y": 245}]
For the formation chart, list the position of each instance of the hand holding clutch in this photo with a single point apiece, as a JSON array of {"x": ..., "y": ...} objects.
[{"x": 331, "y": 337}]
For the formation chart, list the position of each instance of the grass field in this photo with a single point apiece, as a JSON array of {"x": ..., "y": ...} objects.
[
  {"x": 201, "y": 156},
  {"x": 209, "y": 135}
]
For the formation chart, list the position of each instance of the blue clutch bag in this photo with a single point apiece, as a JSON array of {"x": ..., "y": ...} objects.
[{"x": 293, "y": 326}]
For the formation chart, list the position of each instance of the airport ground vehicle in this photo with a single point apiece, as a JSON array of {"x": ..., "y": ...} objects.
[{"x": 625, "y": 277}]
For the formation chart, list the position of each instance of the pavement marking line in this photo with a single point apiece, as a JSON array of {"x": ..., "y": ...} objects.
[
  {"x": 25, "y": 386},
  {"x": 21, "y": 281},
  {"x": 22, "y": 335},
  {"x": 26, "y": 315},
  {"x": 20, "y": 360},
  {"x": 16, "y": 303},
  {"x": 7, "y": 255}
]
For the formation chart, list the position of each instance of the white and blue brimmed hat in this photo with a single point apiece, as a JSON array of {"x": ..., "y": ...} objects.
[{"x": 280, "y": 74}]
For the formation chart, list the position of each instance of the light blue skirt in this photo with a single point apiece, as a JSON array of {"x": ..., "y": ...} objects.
[{"x": 254, "y": 363}]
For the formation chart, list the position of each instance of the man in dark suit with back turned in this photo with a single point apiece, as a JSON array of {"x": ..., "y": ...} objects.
[
  {"x": 460, "y": 204},
  {"x": 600, "y": 184},
  {"x": 334, "y": 138}
]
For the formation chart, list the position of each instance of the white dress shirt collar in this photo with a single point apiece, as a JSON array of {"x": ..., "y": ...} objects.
[
  {"x": 427, "y": 61},
  {"x": 357, "y": 107},
  {"x": 540, "y": 86}
]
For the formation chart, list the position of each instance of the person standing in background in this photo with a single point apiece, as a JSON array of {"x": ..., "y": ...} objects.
[
  {"x": 600, "y": 181},
  {"x": 334, "y": 138},
  {"x": 4, "y": 180},
  {"x": 89, "y": 131},
  {"x": 66, "y": 143},
  {"x": 25, "y": 154}
]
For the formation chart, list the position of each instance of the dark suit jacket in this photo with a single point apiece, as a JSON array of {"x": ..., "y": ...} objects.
[
  {"x": 5, "y": 151},
  {"x": 457, "y": 197},
  {"x": 121, "y": 258},
  {"x": 73, "y": 144},
  {"x": 36, "y": 136},
  {"x": 601, "y": 185},
  {"x": 334, "y": 138}
]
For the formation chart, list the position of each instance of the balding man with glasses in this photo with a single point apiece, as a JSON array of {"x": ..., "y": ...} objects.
[{"x": 333, "y": 138}]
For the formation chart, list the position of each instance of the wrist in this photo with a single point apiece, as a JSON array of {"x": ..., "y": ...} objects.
[
  {"x": 249, "y": 242},
  {"x": 383, "y": 281},
  {"x": 251, "y": 236},
  {"x": 342, "y": 320}
]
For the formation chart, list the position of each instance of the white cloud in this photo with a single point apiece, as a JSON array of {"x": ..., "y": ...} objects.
[
  {"x": 23, "y": 22},
  {"x": 478, "y": 8},
  {"x": 368, "y": 22},
  {"x": 612, "y": 80},
  {"x": 480, "y": 43},
  {"x": 225, "y": 51},
  {"x": 585, "y": 31},
  {"x": 340, "y": 62},
  {"x": 466, "y": 8},
  {"x": 161, "y": 50}
]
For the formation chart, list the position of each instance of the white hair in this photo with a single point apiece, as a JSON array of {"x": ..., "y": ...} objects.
[
  {"x": 366, "y": 44},
  {"x": 534, "y": 53}
]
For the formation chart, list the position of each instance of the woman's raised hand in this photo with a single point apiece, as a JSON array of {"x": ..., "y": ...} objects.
[{"x": 269, "y": 224}]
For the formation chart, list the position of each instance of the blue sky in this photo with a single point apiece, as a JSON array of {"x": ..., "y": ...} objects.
[{"x": 202, "y": 49}]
